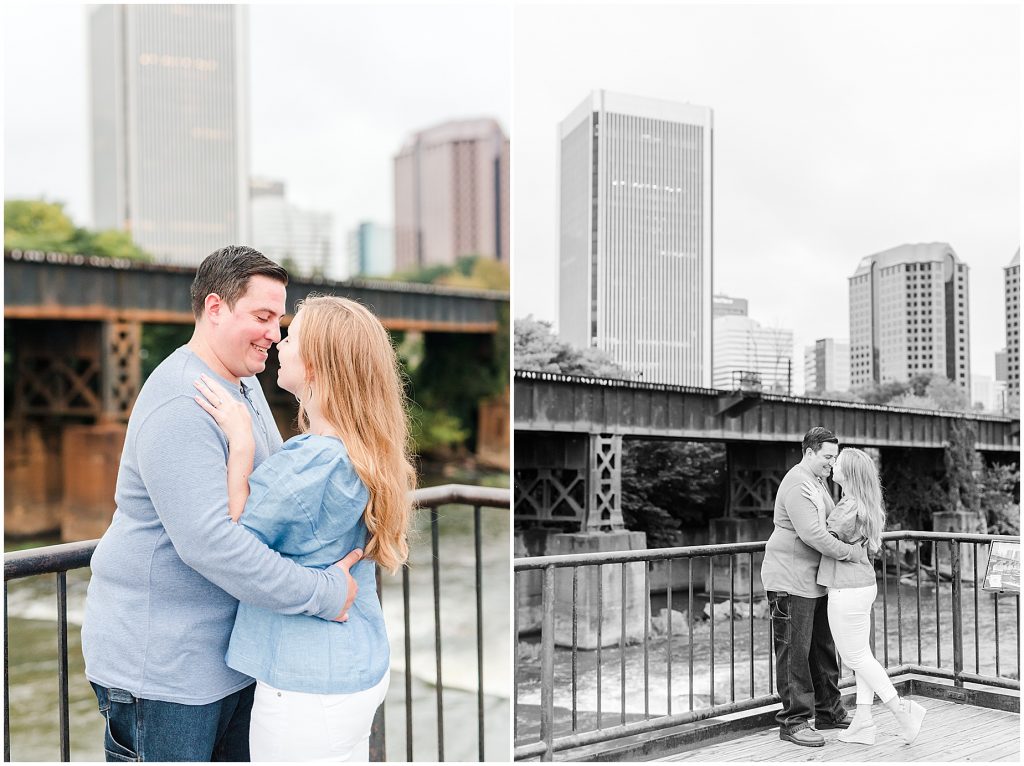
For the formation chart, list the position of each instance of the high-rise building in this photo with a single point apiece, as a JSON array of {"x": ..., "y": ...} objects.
[
  {"x": 298, "y": 239},
  {"x": 170, "y": 147},
  {"x": 371, "y": 250},
  {"x": 827, "y": 366},
  {"x": 989, "y": 394},
  {"x": 452, "y": 194},
  {"x": 634, "y": 225},
  {"x": 1003, "y": 365},
  {"x": 745, "y": 351},
  {"x": 723, "y": 305},
  {"x": 1011, "y": 288},
  {"x": 909, "y": 316}
]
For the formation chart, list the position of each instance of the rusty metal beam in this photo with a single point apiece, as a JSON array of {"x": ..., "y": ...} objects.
[
  {"x": 545, "y": 402},
  {"x": 143, "y": 316},
  {"x": 81, "y": 288}
]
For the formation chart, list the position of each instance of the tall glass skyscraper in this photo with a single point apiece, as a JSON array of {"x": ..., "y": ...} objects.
[
  {"x": 635, "y": 239},
  {"x": 170, "y": 150}
]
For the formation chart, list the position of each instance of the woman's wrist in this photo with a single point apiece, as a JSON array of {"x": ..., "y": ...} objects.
[{"x": 242, "y": 445}]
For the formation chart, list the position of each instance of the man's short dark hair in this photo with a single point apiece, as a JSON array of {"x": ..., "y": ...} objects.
[
  {"x": 227, "y": 272},
  {"x": 817, "y": 436}
]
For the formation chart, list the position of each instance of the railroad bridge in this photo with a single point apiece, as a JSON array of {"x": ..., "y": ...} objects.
[
  {"x": 73, "y": 333},
  {"x": 569, "y": 432}
]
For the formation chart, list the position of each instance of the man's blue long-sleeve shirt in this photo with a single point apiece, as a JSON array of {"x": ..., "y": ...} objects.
[{"x": 169, "y": 572}]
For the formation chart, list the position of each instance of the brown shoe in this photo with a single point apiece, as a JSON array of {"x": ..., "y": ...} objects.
[{"x": 805, "y": 736}]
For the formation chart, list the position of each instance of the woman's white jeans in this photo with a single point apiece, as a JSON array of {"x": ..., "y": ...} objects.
[
  {"x": 849, "y": 617},
  {"x": 296, "y": 726}
]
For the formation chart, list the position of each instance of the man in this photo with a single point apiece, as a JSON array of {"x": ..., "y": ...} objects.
[
  {"x": 807, "y": 674},
  {"x": 168, "y": 573}
]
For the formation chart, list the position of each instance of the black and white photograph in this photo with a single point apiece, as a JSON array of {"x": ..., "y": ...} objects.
[{"x": 766, "y": 382}]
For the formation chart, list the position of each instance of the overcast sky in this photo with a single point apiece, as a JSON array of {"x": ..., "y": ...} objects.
[
  {"x": 335, "y": 92},
  {"x": 839, "y": 132}
]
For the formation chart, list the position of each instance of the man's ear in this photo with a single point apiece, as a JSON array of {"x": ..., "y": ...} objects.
[{"x": 213, "y": 306}]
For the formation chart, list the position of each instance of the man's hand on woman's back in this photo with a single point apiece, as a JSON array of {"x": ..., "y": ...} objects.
[{"x": 353, "y": 588}]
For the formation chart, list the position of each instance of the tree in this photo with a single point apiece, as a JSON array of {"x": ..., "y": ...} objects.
[
  {"x": 913, "y": 489},
  {"x": 537, "y": 348},
  {"x": 446, "y": 398},
  {"x": 834, "y": 396},
  {"x": 42, "y": 225},
  {"x": 999, "y": 489},
  {"x": 37, "y": 225},
  {"x": 670, "y": 485},
  {"x": 963, "y": 469},
  {"x": 112, "y": 243},
  {"x": 926, "y": 391},
  {"x": 477, "y": 271}
]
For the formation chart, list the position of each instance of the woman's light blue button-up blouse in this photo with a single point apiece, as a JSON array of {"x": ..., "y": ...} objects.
[{"x": 306, "y": 502}]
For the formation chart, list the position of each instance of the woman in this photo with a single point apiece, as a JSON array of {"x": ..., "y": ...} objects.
[
  {"x": 341, "y": 484},
  {"x": 859, "y": 518}
]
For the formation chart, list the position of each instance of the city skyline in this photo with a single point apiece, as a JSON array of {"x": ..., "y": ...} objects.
[
  {"x": 324, "y": 118},
  {"x": 815, "y": 166}
]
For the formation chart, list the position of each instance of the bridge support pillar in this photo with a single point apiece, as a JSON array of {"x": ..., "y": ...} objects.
[
  {"x": 122, "y": 369},
  {"x": 737, "y": 530},
  {"x": 32, "y": 478},
  {"x": 960, "y": 521},
  {"x": 92, "y": 455},
  {"x": 604, "y": 491},
  {"x": 568, "y": 499},
  {"x": 605, "y": 595},
  {"x": 754, "y": 473}
]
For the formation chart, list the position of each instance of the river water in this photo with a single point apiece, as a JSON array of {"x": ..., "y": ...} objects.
[
  {"x": 746, "y": 679},
  {"x": 32, "y": 615}
]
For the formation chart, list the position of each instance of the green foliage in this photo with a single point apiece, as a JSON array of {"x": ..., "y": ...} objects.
[
  {"x": 449, "y": 374},
  {"x": 668, "y": 485},
  {"x": 834, "y": 396},
  {"x": 42, "y": 225},
  {"x": 111, "y": 243},
  {"x": 538, "y": 348},
  {"x": 435, "y": 431},
  {"x": 932, "y": 392},
  {"x": 472, "y": 271},
  {"x": 963, "y": 469},
  {"x": 999, "y": 488},
  {"x": 36, "y": 225},
  {"x": 159, "y": 341},
  {"x": 913, "y": 489}
]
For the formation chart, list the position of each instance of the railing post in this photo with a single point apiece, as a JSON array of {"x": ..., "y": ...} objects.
[
  {"x": 378, "y": 753},
  {"x": 958, "y": 638},
  {"x": 547, "y": 663}
]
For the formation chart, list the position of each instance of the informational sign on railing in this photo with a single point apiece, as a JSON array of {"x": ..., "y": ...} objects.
[{"x": 1003, "y": 573}]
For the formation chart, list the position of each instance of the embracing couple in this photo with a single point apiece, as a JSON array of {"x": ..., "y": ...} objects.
[
  {"x": 233, "y": 556},
  {"x": 820, "y": 582}
]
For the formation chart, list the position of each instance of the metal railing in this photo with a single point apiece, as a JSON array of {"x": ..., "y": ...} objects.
[
  {"x": 60, "y": 559},
  {"x": 559, "y": 670}
]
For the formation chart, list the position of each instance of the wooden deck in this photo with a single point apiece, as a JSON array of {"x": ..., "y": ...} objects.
[{"x": 951, "y": 732}]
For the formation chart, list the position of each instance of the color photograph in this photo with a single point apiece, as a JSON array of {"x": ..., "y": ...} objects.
[{"x": 256, "y": 340}]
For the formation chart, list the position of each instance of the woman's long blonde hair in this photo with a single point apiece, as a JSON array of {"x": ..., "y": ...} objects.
[
  {"x": 860, "y": 481},
  {"x": 356, "y": 380}
]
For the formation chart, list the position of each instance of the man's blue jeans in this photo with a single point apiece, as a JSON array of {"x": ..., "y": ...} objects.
[
  {"x": 806, "y": 670},
  {"x": 150, "y": 730}
]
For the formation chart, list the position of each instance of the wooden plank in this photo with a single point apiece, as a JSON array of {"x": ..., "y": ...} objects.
[{"x": 952, "y": 732}]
